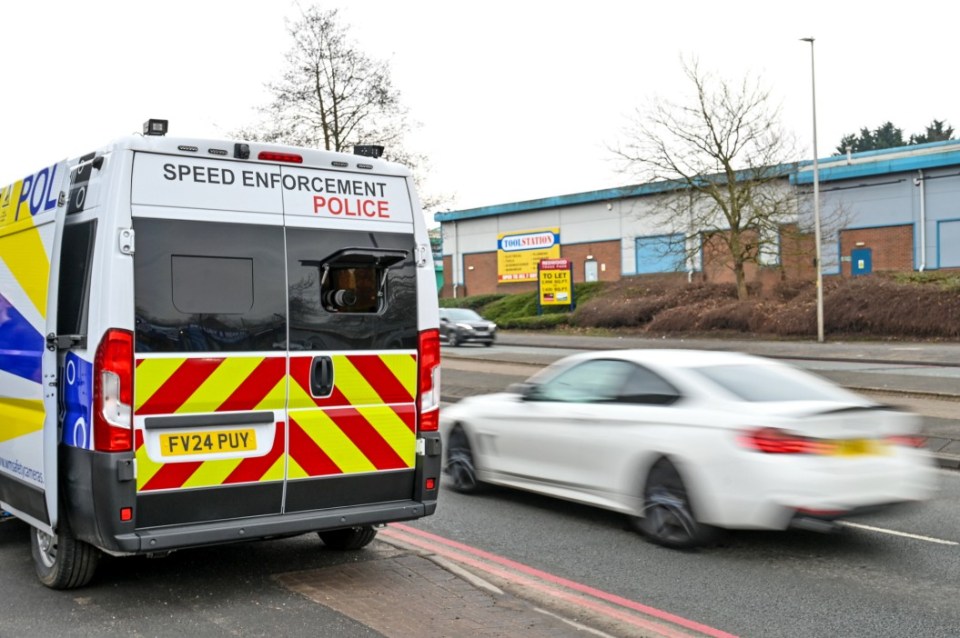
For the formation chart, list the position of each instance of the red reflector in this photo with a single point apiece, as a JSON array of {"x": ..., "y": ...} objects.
[
  {"x": 126, "y": 513},
  {"x": 907, "y": 441},
  {"x": 431, "y": 484},
  {"x": 273, "y": 156}
]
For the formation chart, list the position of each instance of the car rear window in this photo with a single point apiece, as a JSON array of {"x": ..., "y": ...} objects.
[
  {"x": 768, "y": 383},
  {"x": 461, "y": 314}
]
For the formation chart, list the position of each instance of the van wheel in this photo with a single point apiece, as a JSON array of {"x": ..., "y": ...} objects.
[
  {"x": 349, "y": 538},
  {"x": 668, "y": 518},
  {"x": 460, "y": 467},
  {"x": 61, "y": 561}
]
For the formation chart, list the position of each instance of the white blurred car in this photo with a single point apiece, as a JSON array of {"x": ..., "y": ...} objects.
[{"x": 687, "y": 441}]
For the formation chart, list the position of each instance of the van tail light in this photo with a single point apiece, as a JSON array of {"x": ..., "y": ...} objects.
[
  {"x": 774, "y": 441},
  {"x": 113, "y": 392},
  {"x": 428, "y": 389}
]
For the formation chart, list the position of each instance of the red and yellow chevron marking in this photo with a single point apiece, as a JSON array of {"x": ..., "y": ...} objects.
[
  {"x": 362, "y": 379},
  {"x": 204, "y": 385},
  {"x": 367, "y": 424},
  {"x": 350, "y": 440},
  {"x": 188, "y": 386}
]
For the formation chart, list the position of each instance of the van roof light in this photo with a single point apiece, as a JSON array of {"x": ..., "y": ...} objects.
[
  {"x": 368, "y": 151},
  {"x": 273, "y": 156},
  {"x": 155, "y": 127}
]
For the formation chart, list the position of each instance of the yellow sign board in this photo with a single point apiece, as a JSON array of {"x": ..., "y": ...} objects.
[
  {"x": 518, "y": 253},
  {"x": 556, "y": 282}
]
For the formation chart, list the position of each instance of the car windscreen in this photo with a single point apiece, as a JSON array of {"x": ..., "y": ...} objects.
[
  {"x": 462, "y": 314},
  {"x": 767, "y": 383}
]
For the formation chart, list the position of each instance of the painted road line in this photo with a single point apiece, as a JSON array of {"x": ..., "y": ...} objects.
[
  {"x": 892, "y": 532},
  {"x": 574, "y": 600},
  {"x": 585, "y": 596}
]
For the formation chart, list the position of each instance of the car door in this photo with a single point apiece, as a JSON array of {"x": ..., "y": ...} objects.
[{"x": 582, "y": 430}]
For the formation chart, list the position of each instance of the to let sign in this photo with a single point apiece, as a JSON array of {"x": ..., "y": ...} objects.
[{"x": 556, "y": 282}]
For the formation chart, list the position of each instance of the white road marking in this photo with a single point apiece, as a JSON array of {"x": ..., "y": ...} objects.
[{"x": 896, "y": 533}]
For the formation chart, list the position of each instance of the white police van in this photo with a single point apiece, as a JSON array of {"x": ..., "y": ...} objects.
[{"x": 204, "y": 342}]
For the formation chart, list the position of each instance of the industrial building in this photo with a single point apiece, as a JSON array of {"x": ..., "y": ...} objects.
[{"x": 892, "y": 209}]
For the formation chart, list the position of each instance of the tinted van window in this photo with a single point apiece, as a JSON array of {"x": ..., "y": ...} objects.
[
  {"x": 375, "y": 275},
  {"x": 202, "y": 286},
  {"x": 76, "y": 256}
]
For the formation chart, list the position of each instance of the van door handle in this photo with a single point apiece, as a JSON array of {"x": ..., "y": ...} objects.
[{"x": 321, "y": 376}]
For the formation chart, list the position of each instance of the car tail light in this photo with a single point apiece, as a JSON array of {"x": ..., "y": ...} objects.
[
  {"x": 428, "y": 388},
  {"x": 907, "y": 440},
  {"x": 113, "y": 392},
  {"x": 774, "y": 441}
]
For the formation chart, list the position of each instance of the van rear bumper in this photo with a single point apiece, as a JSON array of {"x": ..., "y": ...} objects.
[{"x": 145, "y": 541}]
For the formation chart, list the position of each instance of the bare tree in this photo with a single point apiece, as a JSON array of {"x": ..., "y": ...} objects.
[
  {"x": 724, "y": 159},
  {"x": 331, "y": 95}
]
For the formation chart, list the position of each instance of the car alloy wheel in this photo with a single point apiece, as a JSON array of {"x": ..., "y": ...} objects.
[
  {"x": 668, "y": 518},
  {"x": 460, "y": 467}
]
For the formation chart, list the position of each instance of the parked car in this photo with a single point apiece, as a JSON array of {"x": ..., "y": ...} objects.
[
  {"x": 462, "y": 325},
  {"x": 686, "y": 442}
]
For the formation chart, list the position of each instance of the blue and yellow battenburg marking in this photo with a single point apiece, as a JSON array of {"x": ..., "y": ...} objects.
[{"x": 26, "y": 237}]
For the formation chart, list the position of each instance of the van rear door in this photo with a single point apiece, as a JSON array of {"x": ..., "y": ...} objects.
[
  {"x": 352, "y": 292},
  {"x": 31, "y": 227}
]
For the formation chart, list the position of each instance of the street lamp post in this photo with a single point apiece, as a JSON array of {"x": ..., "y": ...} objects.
[{"x": 816, "y": 196}]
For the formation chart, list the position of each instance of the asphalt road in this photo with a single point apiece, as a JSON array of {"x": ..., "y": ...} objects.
[{"x": 861, "y": 582}]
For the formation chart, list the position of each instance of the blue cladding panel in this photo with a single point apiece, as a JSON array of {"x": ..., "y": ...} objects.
[
  {"x": 948, "y": 242},
  {"x": 659, "y": 254}
]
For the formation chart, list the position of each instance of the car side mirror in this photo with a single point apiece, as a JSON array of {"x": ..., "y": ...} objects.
[{"x": 527, "y": 391}]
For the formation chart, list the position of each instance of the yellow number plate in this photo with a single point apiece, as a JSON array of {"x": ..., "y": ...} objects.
[
  {"x": 858, "y": 447},
  {"x": 208, "y": 442}
]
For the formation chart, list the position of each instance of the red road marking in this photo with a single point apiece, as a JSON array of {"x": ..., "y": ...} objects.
[{"x": 556, "y": 580}]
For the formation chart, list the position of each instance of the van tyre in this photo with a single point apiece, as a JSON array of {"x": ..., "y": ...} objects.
[
  {"x": 350, "y": 538},
  {"x": 668, "y": 518},
  {"x": 61, "y": 561}
]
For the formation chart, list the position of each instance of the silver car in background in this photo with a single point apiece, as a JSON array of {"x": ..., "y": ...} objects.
[{"x": 463, "y": 325}]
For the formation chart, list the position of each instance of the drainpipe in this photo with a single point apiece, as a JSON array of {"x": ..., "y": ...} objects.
[
  {"x": 455, "y": 262},
  {"x": 919, "y": 181}
]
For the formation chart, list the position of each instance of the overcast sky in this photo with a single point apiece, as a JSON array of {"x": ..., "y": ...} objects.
[{"x": 516, "y": 99}]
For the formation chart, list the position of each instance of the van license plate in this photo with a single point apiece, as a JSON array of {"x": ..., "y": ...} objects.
[{"x": 208, "y": 442}]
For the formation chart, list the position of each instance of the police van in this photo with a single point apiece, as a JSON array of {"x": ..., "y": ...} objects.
[{"x": 204, "y": 342}]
